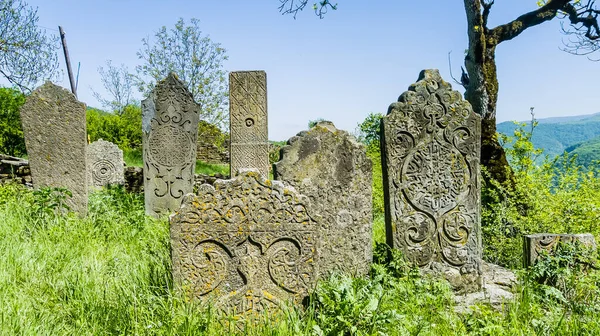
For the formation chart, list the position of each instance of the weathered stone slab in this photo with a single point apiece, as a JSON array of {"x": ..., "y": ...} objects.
[
  {"x": 246, "y": 244},
  {"x": 54, "y": 127},
  {"x": 534, "y": 244},
  {"x": 169, "y": 133},
  {"x": 248, "y": 121},
  {"x": 105, "y": 164},
  {"x": 331, "y": 168},
  {"x": 430, "y": 159}
]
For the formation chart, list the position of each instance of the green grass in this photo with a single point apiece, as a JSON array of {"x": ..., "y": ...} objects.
[
  {"x": 109, "y": 274},
  {"x": 211, "y": 169},
  {"x": 133, "y": 158}
]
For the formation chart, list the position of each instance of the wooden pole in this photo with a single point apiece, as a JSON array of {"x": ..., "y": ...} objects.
[{"x": 69, "y": 71}]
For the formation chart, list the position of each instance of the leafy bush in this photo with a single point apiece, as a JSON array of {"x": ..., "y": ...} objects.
[
  {"x": 12, "y": 141},
  {"x": 567, "y": 277},
  {"x": 124, "y": 130},
  {"x": 555, "y": 197}
]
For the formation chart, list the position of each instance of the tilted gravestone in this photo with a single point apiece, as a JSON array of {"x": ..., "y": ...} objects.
[
  {"x": 105, "y": 164},
  {"x": 246, "y": 244},
  {"x": 169, "y": 133},
  {"x": 536, "y": 244},
  {"x": 331, "y": 168},
  {"x": 54, "y": 127},
  {"x": 249, "y": 148},
  {"x": 430, "y": 160}
]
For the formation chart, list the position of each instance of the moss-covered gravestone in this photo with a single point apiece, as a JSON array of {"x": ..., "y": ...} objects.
[
  {"x": 331, "y": 168},
  {"x": 246, "y": 245},
  {"x": 430, "y": 159},
  {"x": 54, "y": 127},
  {"x": 169, "y": 133}
]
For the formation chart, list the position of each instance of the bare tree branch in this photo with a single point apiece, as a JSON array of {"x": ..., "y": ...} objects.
[
  {"x": 486, "y": 12},
  {"x": 514, "y": 28},
  {"x": 28, "y": 56},
  {"x": 294, "y": 6},
  {"x": 118, "y": 82}
]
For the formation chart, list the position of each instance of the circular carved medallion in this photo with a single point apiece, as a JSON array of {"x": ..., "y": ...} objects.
[
  {"x": 170, "y": 146},
  {"x": 436, "y": 177},
  {"x": 103, "y": 172}
]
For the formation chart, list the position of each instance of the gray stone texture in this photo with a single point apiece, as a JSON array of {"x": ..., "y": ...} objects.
[
  {"x": 169, "y": 133},
  {"x": 534, "y": 244},
  {"x": 430, "y": 160},
  {"x": 246, "y": 245},
  {"x": 54, "y": 127},
  {"x": 105, "y": 164},
  {"x": 249, "y": 148},
  {"x": 331, "y": 168}
]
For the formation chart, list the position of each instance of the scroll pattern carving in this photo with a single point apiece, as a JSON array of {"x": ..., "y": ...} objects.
[
  {"x": 247, "y": 244},
  {"x": 248, "y": 121},
  {"x": 431, "y": 141},
  {"x": 169, "y": 145}
]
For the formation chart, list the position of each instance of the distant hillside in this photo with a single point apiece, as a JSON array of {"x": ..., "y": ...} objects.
[
  {"x": 555, "y": 135},
  {"x": 587, "y": 152}
]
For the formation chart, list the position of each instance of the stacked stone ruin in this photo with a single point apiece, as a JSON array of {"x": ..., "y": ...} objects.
[{"x": 250, "y": 244}]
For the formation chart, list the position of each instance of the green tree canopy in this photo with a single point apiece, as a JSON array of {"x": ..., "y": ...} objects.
[
  {"x": 195, "y": 58},
  {"x": 28, "y": 55},
  {"x": 11, "y": 133}
]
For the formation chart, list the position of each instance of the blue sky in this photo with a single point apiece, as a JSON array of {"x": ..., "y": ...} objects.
[{"x": 356, "y": 60}]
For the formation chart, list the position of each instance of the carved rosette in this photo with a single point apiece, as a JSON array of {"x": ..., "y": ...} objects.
[
  {"x": 430, "y": 155},
  {"x": 170, "y": 124},
  {"x": 105, "y": 164},
  {"x": 246, "y": 244}
]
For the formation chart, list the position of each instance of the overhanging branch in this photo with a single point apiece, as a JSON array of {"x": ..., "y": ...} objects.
[{"x": 514, "y": 28}]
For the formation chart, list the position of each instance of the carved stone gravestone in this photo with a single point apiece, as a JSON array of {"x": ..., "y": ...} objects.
[
  {"x": 169, "y": 133},
  {"x": 430, "y": 160},
  {"x": 536, "y": 244},
  {"x": 248, "y": 121},
  {"x": 54, "y": 127},
  {"x": 246, "y": 244},
  {"x": 331, "y": 168},
  {"x": 105, "y": 164}
]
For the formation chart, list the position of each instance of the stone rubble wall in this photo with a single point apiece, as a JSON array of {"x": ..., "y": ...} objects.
[
  {"x": 208, "y": 152},
  {"x": 16, "y": 170}
]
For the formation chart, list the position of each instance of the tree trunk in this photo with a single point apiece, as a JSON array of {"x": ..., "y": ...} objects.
[{"x": 482, "y": 92}]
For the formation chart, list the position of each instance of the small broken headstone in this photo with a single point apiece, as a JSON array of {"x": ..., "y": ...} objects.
[
  {"x": 169, "y": 133},
  {"x": 249, "y": 148},
  {"x": 54, "y": 127},
  {"x": 536, "y": 244},
  {"x": 246, "y": 244},
  {"x": 331, "y": 168},
  {"x": 430, "y": 160},
  {"x": 105, "y": 164}
]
